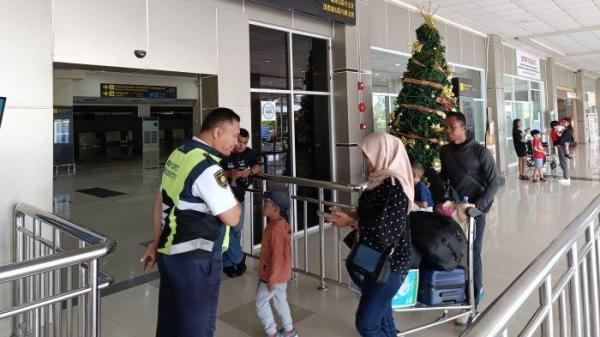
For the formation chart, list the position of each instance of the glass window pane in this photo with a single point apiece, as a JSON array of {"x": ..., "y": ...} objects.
[
  {"x": 508, "y": 88},
  {"x": 535, "y": 85},
  {"x": 521, "y": 90},
  {"x": 388, "y": 70},
  {"x": 311, "y": 71},
  {"x": 381, "y": 112},
  {"x": 270, "y": 118},
  {"x": 479, "y": 121},
  {"x": 311, "y": 129},
  {"x": 268, "y": 58},
  {"x": 472, "y": 77}
]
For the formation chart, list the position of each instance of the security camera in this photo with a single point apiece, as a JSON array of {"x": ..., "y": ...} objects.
[{"x": 140, "y": 53}]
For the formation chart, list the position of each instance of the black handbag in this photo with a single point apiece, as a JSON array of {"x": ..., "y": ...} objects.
[{"x": 365, "y": 262}]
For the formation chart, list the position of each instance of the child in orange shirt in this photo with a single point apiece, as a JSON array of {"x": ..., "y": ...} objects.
[{"x": 275, "y": 267}]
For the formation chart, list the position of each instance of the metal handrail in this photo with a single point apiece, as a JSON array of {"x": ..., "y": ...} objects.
[
  {"x": 495, "y": 320},
  {"x": 46, "y": 274},
  {"x": 321, "y": 203},
  {"x": 312, "y": 183}
]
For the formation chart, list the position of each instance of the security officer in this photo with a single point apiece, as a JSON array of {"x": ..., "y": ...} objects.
[
  {"x": 191, "y": 211},
  {"x": 239, "y": 167}
]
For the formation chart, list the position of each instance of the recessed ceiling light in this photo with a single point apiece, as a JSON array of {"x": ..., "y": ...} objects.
[
  {"x": 267, "y": 61},
  {"x": 397, "y": 64},
  {"x": 376, "y": 74}
]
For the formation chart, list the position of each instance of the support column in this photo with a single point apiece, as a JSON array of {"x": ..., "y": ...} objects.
[
  {"x": 495, "y": 96},
  {"x": 351, "y": 64},
  {"x": 582, "y": 122},
  {"x": 550, "y": 92}
]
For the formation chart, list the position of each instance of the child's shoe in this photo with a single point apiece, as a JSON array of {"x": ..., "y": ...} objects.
[{"x": 283, "y": 333}]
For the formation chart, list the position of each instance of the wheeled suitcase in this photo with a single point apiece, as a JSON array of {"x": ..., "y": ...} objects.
[{"x": 442, "y": 287}]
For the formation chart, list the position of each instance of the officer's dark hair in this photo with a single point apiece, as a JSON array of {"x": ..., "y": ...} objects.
[
  {"x": 459, "y": 117},
  {"x": 535, "y": 132},
  {"x": 244, "y": 133},
  {"x": 218, "y": 116}
]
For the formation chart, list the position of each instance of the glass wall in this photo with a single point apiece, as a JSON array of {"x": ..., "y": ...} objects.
[
  {"x": 388, "y": 69},
  {"x": 290, "y": 107},
  {"x": 524, "y": 99}
]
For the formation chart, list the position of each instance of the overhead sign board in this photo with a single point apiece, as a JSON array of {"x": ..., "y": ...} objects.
[
  {"x": 137, "y": 91},
  {"x": 343, "y": 11},
  {"x": 528, "y": 65}
]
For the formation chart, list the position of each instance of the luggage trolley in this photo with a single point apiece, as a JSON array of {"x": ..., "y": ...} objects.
[{"x": 466, "y": 309}]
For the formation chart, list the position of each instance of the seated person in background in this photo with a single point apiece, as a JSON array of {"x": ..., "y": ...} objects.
[{"x": 423, "y": 198}]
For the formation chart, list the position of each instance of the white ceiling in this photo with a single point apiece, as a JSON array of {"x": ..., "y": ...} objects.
[{"x": 567, "y": 30}]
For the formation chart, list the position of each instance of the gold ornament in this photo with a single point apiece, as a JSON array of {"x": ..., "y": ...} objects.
[
  {"x": 427, "y": 147},
  {"x": 447, "y": 92},
  {"x": 437, "y": 128},
  {"x": 416, "y": 46},
  {"x": 428, "y": 118},
  {"x": 437, "y": 164},
  {"x": 428, "y": 16}
]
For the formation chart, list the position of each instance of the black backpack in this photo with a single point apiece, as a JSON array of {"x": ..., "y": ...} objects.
[{"x": 440, "y": 240}]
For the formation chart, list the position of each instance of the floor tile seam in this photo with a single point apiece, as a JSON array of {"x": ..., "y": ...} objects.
[
  {"x": 107, "y": 316},
  {"x": 232, "y": 327}
]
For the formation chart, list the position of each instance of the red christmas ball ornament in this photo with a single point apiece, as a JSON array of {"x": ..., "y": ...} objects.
[
  {"x": 361, "y": 85},
  {"x": 362, "y": 107},
  {"x": 363, "y": 126}
]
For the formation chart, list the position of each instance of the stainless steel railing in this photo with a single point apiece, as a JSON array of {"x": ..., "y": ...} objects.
[
  {"x": 573, "y": 295},
  {"x": 54, "y": 270},
  {"x": 322, "y": 189}
]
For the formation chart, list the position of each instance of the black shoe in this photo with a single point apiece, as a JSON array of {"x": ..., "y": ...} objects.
[
  {"x": 241, "y": 267},
  {"x": 230, "y": 271}
]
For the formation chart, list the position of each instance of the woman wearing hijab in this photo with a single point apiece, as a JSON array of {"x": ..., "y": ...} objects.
[{"x": 382, "y": 221}]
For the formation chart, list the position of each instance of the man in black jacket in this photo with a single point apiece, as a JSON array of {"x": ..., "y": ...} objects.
[{"x": 471, "y": 170}]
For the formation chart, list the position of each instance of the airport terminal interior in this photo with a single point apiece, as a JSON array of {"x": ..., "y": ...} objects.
[{"x": 95, "y": 97}]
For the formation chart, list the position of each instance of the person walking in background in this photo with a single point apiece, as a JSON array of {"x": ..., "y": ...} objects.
[
  {"x": 382, "y": 223},
  {"x": 520, "y": 147},
  {"x": 275, "y": 266},
  {"x": 538, "y": 156},
  {"x": 565, "y": 138}
]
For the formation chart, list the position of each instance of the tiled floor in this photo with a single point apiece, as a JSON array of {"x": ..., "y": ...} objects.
[{"x": 525, "y": 219}]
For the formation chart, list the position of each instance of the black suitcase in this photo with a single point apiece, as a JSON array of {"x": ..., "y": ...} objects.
[
  {"x": 440, "y": 241},
  {"x": 442, "y": 287}
]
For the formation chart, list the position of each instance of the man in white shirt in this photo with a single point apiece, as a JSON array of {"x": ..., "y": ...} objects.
[{"x": 192, "y": 210}]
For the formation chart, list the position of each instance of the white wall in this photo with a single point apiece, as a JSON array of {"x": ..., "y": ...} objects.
[
  {"x": 564, "y": 77},
  {"x": 26, "y": 132}
]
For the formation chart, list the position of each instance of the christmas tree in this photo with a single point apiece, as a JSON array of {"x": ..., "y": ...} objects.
[{"x": 426, "y": 96}]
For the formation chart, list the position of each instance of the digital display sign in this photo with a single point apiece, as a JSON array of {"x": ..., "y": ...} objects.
[
  {"x": 343, "y": 11},
  {"x": 137, "y": 91}
]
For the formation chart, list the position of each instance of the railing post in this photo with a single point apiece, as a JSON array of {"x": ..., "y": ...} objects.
[
  {"x": 547, "y": 326},
  {"x": 294, "y": 224},
  {"x": 593, "y": 278},
  {"x": 575, "y": 293},
  {"x": 252, "y": 224},
  {"x": 305, "y": 223},
  {"x": 37, "y": 324},
  {"x": 94, "y": 299},
  {"x": 81, "y": 300},
  {"x": 322, "y": 285},
  {"x": 57, "y": 286},
  {"x": 18, "y": 296},
  {"x": 562, "y": 314}
]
